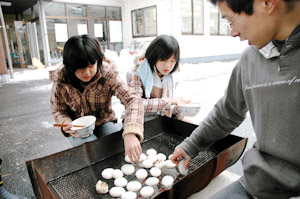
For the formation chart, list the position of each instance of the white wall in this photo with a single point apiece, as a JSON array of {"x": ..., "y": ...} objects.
[
  {"x": 94, "y": 2},
  {"x": 202, "y": 46},
  {"x": 164, "y": 13},
  {"x": 169, "y": 22}
]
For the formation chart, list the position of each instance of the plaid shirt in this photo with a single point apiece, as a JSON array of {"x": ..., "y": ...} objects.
[
  {"x": 68, "y": 103},
  {"x": 155, "y": 103}
]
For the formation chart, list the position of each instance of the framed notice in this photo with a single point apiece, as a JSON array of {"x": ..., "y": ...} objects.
[
  {"x": 98, "y": 30},
  {"x": 115, "y": 31},
  {"x": 82, "y": 29},
  {"x": 61, "y": 32}
]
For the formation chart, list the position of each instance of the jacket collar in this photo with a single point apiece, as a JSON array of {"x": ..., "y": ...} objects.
[{"x": 270, "y": 50}]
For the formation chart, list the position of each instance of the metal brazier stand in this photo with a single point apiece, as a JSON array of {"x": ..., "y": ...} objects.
[{"x": 73, "y": 173}]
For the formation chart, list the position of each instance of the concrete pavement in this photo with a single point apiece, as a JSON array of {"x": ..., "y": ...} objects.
[{"x": 26, "y": 131}]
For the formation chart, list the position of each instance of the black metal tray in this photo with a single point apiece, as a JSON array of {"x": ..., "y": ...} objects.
[{"x": 74, "y": 173}]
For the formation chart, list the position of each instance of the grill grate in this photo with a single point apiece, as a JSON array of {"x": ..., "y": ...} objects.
[{"x": 81, "y": 183}]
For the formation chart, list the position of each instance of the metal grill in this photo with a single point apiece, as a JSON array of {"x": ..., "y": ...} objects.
[{"x": 81, "y": 183}]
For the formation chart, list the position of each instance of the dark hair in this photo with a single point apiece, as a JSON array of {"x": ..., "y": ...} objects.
[
  {"x": 246, "y": 6},
  {"x": 162, "y": 48},
  {"x": 79, "y": 52},
  {"x": 238, "y": 6}
]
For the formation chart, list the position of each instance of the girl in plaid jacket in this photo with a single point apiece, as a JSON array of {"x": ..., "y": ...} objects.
[
  {"x": 85, "y": 86},
  {"x": 153, "y": 79}
]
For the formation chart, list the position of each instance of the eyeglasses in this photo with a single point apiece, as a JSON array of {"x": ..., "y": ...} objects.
[{"x": 231, "y": 22}]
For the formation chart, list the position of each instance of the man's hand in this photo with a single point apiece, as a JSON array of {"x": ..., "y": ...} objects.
[
  {"x": 178, "y": 155},
  {"x": 132, "y": 147}
]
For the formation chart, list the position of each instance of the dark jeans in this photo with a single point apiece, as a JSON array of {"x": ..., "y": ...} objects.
[
  {"x": 107, "y": 128},
  {"x": 233, "y": 191}
]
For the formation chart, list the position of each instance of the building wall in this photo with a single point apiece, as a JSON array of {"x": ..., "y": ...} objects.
[
  {"x": 93, "y": 2},
  {"x": 169, "y": 22},
  {"x": 164, "y": 13}
]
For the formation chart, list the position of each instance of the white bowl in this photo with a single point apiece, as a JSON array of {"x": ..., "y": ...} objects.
[
  {"x": 190, "y": 109},
  {"x": 89, "y": 125}
]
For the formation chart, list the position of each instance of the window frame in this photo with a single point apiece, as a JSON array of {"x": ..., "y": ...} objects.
[
  {"x": 132, "y": 22},
  {"x": 219, "y": 24},
  {"x": 193, "y": 21},
  {"x": 67, "y": 17}
]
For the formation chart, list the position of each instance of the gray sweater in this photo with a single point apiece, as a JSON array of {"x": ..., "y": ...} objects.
[{"x": 267, "y": 84}]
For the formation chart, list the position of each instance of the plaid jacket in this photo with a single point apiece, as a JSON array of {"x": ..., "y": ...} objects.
[
  {"x": 68, "y": 103},
  {"x": 155, "y": 103}
]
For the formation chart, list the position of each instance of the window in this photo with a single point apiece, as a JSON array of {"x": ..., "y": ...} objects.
[
  {"x": 57, "y": 35},
  {"x": 54, "y": 9},
  {"x": 217, "y": 24},
  {"x": 97, "y": 11},
  {"x": 114, "y": 13},
  {"x": 144, "y": 22},
  {"x": 76, "y": 10},
  {"x": 98, "y": 29},
  {"x": 192, "y": 16},
  {"x": 85, "y": 19},
  {"x": 77, "y": 27}
]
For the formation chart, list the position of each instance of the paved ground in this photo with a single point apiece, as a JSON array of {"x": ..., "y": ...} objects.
[
  {"x": 25, "y": 131},
  {"x": 26, "y": 122}
]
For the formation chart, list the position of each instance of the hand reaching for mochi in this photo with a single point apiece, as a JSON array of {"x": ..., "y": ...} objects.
[{"x": 178, "y": 155}]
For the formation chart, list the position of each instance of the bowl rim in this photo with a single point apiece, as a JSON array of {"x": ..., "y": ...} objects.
[
  {"x": 190, "y": 105},
  {"x": 89, "y": 124}
]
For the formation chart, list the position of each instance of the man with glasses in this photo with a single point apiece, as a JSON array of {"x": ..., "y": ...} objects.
[{"x": 265, "y": 82}]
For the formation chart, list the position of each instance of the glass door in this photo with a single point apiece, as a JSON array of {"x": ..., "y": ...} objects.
[{"x": 23, "y": 44}]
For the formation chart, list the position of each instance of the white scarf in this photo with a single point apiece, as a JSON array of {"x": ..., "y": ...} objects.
[{"x": 150, "y": 79}]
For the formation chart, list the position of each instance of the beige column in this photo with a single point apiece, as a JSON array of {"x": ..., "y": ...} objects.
[
  {"x": 3, "y": 68},
  {"x": 6, "y": 43}
]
